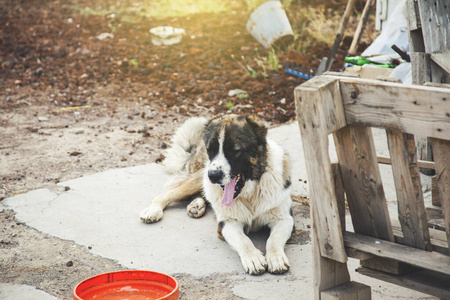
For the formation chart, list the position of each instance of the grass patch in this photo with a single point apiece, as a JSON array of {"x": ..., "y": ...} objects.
[{"x": 317, "y": 24}]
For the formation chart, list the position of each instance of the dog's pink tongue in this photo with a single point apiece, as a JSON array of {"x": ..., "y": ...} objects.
[{"x": 228, "y": 192}]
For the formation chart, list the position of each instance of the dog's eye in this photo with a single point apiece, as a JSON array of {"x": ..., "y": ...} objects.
[{"x": 212, "y": 149}]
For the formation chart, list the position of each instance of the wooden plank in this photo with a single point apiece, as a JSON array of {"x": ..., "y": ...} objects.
[
  {"x": 424, "y": 281},
  {"x": 438, "y": 75},
  {"x": 387, "y": 265},
  {"x": 434, "y": 19},
  {"x": 436, "y": 84},
  {"x": 319, "y": 111},
  {"x": 420, "y": 163},
  {"x": 416, "y": 43},
  {"x": 415, "y": 35},
  {"x": 341, "y": 74},
  {"x": 442, "y": 59},
  {"x": 438, "y": 238},
  {"x": 411, "y": 208},
  {"x": 348, "y": 291},
  {"x": 417, "y": 110},
  {"x": 362, "y": 182},
  {"x": 413, "y": 16},
  {"x": 327, "y": 272},
  {"x": 354, "y": 253},
  {"x": 416, "y": 257},
  {"x": 441, "y": 152},
  {"x": 387, "y": 78},
  {"x": 332, "y": 110}
]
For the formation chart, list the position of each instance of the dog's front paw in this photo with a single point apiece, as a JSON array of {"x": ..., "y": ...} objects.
[
  {"x": 277, "y": 263},
  {"x": 255, "y": 263},
  {"x": 196, "y": 208},
  {"x": 151, "y": 214}
]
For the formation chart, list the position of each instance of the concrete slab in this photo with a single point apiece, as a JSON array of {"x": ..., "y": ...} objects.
[
  {"x": 21, "y": 292},
  {"x": 101, "y": 211}
]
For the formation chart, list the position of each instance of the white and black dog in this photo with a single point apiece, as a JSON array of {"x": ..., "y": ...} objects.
[{"x": 229, "y": 162}]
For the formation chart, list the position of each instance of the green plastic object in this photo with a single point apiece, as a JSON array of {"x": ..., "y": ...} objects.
[{"x": 360, "y": 61}]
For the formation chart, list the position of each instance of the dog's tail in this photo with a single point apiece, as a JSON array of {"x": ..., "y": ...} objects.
[{"x": 184, "y": 146}]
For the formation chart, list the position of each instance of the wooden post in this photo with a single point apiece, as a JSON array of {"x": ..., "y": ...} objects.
[
  {"x": 319, "y": 111},
  {"x": 327, "y": 272}
]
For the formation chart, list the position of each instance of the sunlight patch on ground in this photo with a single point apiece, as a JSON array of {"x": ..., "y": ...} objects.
[{"x": 161, "y": 8}]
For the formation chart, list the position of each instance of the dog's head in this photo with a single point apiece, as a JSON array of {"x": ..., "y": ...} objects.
[{"x": 237, "y": 151}]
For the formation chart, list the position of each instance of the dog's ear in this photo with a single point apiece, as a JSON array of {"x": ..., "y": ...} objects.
[{"x": 258, "y": 126}]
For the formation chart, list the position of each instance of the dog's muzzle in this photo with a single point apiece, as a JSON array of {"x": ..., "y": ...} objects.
[{"x": 215, "y": 176}]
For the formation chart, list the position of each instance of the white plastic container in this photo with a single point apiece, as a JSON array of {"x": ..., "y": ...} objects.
[
  {"x": 270, "y": 26},
  {"x": 166, "y": 35}
]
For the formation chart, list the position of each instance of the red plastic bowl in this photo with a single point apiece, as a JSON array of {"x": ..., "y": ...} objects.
[{"x": 132, "y": 285}]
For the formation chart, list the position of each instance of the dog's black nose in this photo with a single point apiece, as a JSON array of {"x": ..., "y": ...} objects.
[{"x": 215, "y": 176}]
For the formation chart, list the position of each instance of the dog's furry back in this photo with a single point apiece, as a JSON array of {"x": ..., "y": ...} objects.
[{"x": 187, "y": 153}]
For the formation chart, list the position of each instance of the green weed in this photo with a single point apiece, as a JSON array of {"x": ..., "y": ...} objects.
[
  {"x": 274, "y": 60},
  {"x": 134, "y": 62},
  {"x": 242, "y": 96}
]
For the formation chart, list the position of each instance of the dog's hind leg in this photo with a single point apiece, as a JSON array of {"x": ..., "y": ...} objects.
[
  {"x": 277, "y": 261},
  {"x": 185, "y": 189}
]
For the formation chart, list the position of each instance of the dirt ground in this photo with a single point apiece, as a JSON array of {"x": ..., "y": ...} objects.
[{"x": 73, "y": 103}]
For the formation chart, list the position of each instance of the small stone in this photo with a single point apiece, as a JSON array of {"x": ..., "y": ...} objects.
[{"x": 104, "y": 36}]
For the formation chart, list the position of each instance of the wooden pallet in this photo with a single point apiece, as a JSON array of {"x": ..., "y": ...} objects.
[{"x": 348, "y": 108}]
